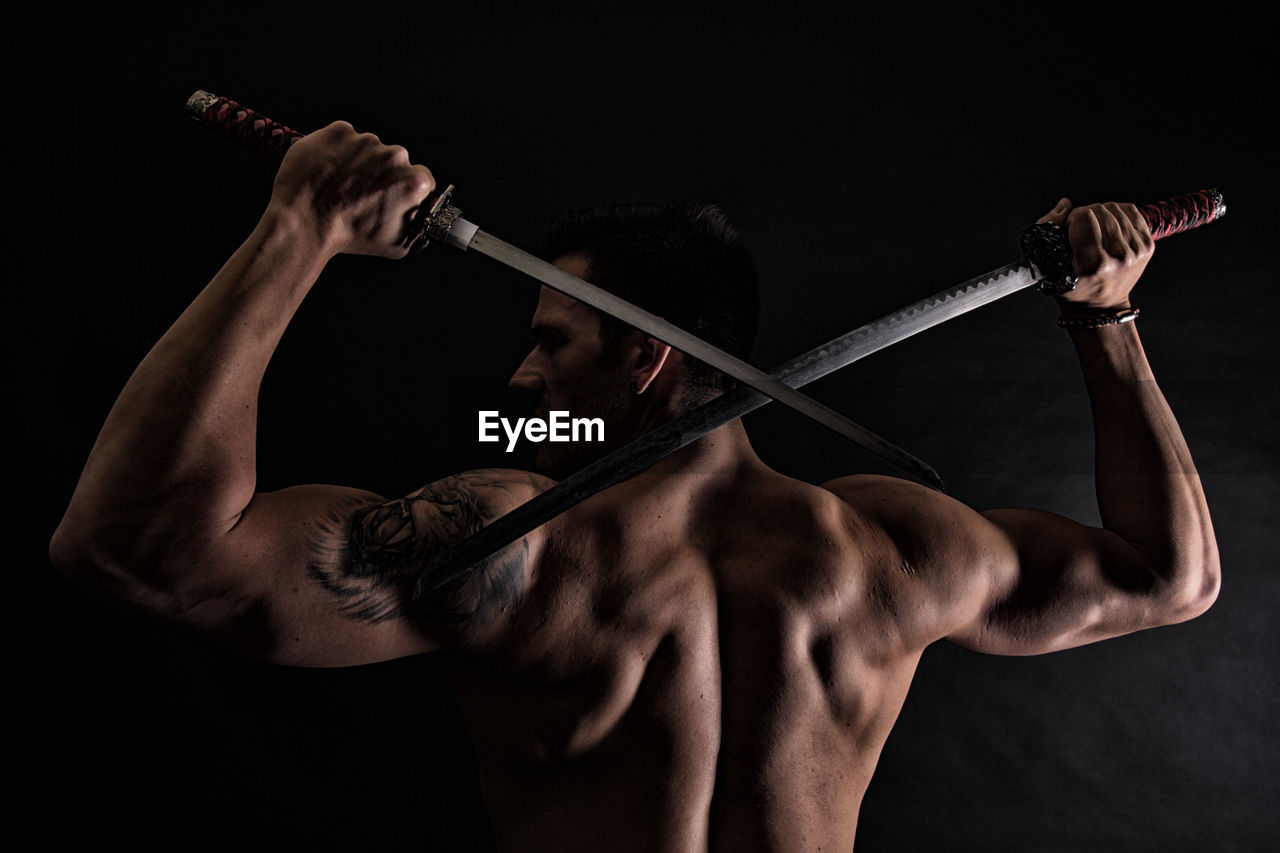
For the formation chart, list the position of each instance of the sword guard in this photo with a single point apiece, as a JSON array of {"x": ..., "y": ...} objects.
[
  {"x": 436, "y": 221},
  {"x": 1045, "y": 247}
]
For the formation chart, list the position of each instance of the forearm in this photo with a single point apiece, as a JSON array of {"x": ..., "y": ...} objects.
[
  {"x": 175, "y": 458},
  {"x": 1148, "y": 490}
]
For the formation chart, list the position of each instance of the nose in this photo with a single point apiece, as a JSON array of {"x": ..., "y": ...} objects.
[{"x": 525, "y": 381}]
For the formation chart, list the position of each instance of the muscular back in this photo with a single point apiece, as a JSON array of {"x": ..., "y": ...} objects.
[{"x": 693, "y": 664}]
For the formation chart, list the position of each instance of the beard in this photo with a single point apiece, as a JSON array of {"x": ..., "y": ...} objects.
[{"x": 604, "y": 397}]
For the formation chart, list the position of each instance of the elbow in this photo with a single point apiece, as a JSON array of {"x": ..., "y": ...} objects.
[
  {"x": 70, "y": 552},
  {"x": 151, "y": 577},
  {"x": 79, "y": 556},
  {"x": 1206, "y": 591},
  {"x": 106, "y": 564},
  {"x": 1195, "y": 588}
]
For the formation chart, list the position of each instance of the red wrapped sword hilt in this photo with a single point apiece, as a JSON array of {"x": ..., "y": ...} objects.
[
  {"x": 1183, "y": 213},
  {"x": 1045, "y": 245},
  {"x": 241, "y": 125}
]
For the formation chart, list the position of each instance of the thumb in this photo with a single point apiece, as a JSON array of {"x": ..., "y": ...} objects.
[{"x": 1058, "y": 215}]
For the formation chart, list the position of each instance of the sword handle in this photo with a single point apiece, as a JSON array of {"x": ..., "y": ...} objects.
[
  {"x": 1045, "y": 246},
  {"x": 241, "y": 125},
  {"x": 249, "y": 129},
  {"x": 1182, "y": 213}
]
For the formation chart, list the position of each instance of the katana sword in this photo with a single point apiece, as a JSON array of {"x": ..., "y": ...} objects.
[
  {"x": 442, "y": 221},
  {"x": 1047, "y": 264}
]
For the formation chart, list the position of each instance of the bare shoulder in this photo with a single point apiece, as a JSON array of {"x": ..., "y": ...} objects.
[
  {"x": 906, "y": 510},
  {"x": 937, "y": 554},
  {"x": 860, "y": 488}
]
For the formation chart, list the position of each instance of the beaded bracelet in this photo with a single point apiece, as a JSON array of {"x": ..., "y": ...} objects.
[{"x": 1126, "y": 316}]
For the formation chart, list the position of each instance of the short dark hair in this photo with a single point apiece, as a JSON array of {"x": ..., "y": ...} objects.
[{"x": 684, "y": 261}]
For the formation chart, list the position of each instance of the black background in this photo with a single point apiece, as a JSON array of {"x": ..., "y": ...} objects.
[{"x": 868, "y": 160}]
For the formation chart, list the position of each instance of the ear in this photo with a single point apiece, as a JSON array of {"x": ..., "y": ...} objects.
[{"x": 647, "y": 358}]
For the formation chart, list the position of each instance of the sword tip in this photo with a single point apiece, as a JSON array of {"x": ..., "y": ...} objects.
[{"x": 931, "y": 479}]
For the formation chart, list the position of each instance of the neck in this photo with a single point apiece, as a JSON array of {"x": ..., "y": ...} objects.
[{"x": 725, "y": 450}]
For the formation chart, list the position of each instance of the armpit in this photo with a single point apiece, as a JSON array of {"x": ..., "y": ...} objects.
[{"x": 371, "y": 556}]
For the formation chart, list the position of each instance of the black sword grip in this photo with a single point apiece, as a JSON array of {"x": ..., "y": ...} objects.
[{"x": 1045, "y": 246}]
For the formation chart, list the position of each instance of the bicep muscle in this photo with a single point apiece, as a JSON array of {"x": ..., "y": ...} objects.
[{"x": 1056, "y": 584}]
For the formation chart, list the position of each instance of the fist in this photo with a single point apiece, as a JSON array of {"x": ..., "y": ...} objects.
[
  {"x": 359, "y": 195},
  {"x": 1111, "y": 244}
]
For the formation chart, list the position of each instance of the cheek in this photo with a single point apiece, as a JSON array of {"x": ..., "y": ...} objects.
[
  {"x": 600, "y": 372},
  {"x": 593, "y": 387}
]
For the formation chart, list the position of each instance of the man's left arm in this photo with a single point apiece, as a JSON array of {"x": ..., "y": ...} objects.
[{"x": 1044, "y": 582}]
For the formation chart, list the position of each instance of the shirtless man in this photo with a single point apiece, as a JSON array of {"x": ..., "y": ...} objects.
[{"x": 707, "y": 656}]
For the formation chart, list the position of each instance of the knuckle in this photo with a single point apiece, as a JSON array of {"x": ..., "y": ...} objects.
[{"x": 422, "y": 181}]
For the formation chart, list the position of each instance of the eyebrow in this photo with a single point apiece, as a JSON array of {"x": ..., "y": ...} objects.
[{"x": 545, "y": 328}]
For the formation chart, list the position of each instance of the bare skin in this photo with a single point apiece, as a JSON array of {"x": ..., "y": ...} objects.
[{"x": 707, "y": 656}]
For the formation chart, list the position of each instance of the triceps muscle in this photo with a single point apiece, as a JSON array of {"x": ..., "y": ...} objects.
[{"x": 370, "y": 556}]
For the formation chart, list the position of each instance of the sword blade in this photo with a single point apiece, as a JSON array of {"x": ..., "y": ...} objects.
[
  {"x": 907, "y": 321},
  {"x": 639, "y": 454},
  {"x": 690, "y": 344}
]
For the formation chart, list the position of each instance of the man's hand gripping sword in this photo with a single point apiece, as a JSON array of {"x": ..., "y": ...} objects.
[{"x": 1047, "y": 264}]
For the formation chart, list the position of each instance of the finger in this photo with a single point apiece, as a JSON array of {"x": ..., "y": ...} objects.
[
  {"x": 1120, "y": 234},
  {"x": 1140, "y": 232},
  {"x": 1113, "y": 232},
  {"x": 423, "y": 182},
  {"x": 335, "y": 128},
  {"x": 1084, "y": 233},
  {"x": 418, "y": 185},
  {"x": 1084, "y": 228},
  {"x": 397, "y": 155},
  {"x": 1058, "y": 215}
]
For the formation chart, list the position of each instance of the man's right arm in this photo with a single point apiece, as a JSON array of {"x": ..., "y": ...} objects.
[{"x": 166, "y": 517}]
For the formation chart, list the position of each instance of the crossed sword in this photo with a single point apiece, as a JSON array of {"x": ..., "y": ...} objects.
[{"x": 1046, "y": 265}]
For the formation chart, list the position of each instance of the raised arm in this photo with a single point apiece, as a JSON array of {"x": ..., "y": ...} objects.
[
  {"x": 166, "y": 518},
  {"x": 1015, "y": 581},
  {"x": 1058, "y": 583}
]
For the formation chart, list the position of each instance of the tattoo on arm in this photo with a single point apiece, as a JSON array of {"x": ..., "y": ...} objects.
[{"x": 371, "y": 556}]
